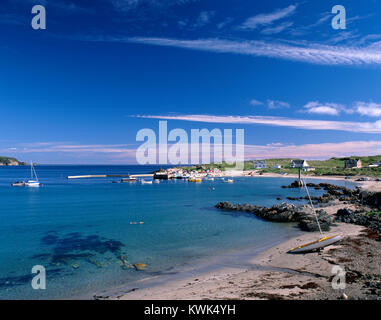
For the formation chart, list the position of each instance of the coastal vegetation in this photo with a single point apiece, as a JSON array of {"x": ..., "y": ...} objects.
[
  {"x": 9, "y": 161},
  {"x": 330, "y": 167}
]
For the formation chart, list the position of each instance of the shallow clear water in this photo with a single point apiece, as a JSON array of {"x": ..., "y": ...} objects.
[{"x": 79, "y": 229}]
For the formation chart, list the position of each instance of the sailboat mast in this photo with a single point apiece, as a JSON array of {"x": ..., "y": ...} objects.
[{"x": 312, "y": 206}]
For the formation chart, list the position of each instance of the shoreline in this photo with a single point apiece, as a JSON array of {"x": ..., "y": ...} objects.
[
  {"x": 228, "y": 261},
  {"x": 275, "y": 274}
]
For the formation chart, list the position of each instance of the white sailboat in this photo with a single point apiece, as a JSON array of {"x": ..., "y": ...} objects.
[
  {"x": 320, "y": 243},
  {"x": 33, "y": 182}
]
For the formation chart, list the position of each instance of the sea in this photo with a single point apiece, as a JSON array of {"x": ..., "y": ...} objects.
[{"x": 88, "y": 235}]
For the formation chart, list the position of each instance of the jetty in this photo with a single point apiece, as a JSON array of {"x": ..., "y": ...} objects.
[{"x": 110, "y": 176}]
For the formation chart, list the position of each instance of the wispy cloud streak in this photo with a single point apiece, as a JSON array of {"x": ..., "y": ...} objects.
[
  {"x": 364, "y": 127},
  {"x": 314, "y": 151},
  {"x": 119, "y": 154},
  {"x": 268, "y": 18},
  {"x": 304, "y": 52}
]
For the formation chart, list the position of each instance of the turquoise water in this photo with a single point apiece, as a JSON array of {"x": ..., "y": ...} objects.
[{"x": 79, "y": 229}]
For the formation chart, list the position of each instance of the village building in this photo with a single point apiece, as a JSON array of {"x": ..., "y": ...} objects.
[
  {"x": 353, "y": 163},
  {"x": 259, "y": 164},
  {"x": 299, "y": 164}
]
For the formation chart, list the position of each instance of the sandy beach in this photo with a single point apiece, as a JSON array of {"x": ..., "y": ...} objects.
[{"x": 275, "y": 274}]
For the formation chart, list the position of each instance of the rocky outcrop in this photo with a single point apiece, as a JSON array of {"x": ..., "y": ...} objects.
[
  {"x": 305, "y": 216},
  {"x": 284, "y": 212},
  {"x": 308, "y": 223},
  {"x": 370, "y": 198},
  {"x": 371, "y": 220},
  {"x": 343, "y": 194}
]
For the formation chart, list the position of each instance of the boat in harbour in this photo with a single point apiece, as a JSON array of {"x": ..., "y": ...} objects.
[
  {"x": 18, "y": 184},
  {"x": 33, "y": 182}
]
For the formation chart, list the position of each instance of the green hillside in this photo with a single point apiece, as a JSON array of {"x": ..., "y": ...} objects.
[
  {"x": 333, "y": 166},
  {"x": 9, "y": 161}
]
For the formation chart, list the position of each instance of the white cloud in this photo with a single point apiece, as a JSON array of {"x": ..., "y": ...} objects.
[
  {"x": 72, "y": 148},
  {"x": 303, "y": 51},
  {"x": 271, "y": 104},
  {"x": 264, "y": 19},
  {"x": 255, "y": 102},
  {"x": 277, "y": 29},
  {"x": 350, "y": 126},
  {"x": 369, "y": 109},
  {"x": 204, "y": 18},
  {"x": 314, "y": 151},
  {"x": 316, "y": 107},
  {"x": 118, "y": 154},
  {"x": 224, "y": 23},
  {"x": 276, "y": 104}
]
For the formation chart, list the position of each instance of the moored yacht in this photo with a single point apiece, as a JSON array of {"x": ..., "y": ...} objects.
[{"x": 33, "y": 182}]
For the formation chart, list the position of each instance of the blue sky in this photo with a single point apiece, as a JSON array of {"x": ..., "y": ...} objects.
[{"x": 79, "y": 91}]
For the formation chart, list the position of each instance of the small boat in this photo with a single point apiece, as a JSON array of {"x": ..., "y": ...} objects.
[
  {"x": 33, "y": 182},
  {"x": 318, "y": 244},
  {"x": 146, "y": 182},
  {"x": 195, "y": 180},
  {"x": 18, "y": 184},
  {"x": 131, "y": 179},
  {"x": 230, "y": 181},
  {"x": 156, "y": 181},
  {"x": 322, "y": 242}
]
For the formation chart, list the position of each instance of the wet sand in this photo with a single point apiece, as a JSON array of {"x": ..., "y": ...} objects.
[{"x": 275, "y": 274}]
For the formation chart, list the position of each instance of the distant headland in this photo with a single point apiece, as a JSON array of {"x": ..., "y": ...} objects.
[{"x": 9, "y": 161}]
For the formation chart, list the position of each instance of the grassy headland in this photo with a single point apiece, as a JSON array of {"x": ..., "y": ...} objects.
[
  {"x": 9, "y": 161},
  {"x": 330, "y": 167}
]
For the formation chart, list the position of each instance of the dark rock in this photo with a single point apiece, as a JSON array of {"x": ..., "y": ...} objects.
[
  {"x": 296, "y": 184},
  {"x": 366, "y": 219},
  {"x": 370, "y": 198},
  {"x": 284, "y": 212},
  {"x": 309, "y": 223}
]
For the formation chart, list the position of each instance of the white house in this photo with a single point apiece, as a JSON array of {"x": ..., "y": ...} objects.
[
  {"x": 299, "y": 164},
  {"x": 259, "y": 164}
]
